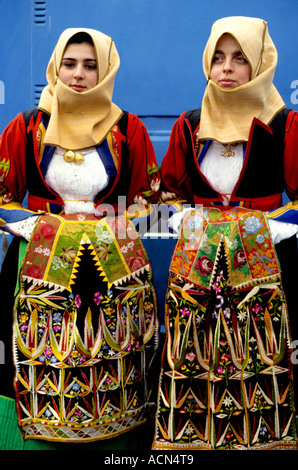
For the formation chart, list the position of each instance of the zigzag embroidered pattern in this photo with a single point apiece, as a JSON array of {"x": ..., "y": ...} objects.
[
  {"x": 85, "y": 332},
  {"x": 226, "y": 380}
]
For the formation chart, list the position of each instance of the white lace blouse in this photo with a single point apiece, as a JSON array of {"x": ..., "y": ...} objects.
[
  {"x": 221, "y": 172},
  {"x": 77, "y": 184}
]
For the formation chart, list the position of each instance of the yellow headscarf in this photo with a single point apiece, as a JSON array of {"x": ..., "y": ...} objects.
[
  {"x": 81, "y": 120},
  {"x": 227, "y": 115}
]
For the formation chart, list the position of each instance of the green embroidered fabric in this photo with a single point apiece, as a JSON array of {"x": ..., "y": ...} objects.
[
  {"x": 85, "y": 330},
  {"x": 226, "y": 380},
  {"x": 11, "y": 437}
]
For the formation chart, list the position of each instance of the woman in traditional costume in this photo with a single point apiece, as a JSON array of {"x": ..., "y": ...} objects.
[
  {"x": 227, "y": 379},
  {"x": 76, "y": 282}
]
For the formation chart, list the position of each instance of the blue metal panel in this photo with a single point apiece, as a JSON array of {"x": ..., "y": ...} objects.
[
  {"x": 160, "y": 44},
  {"x": 15, "y": 58}
]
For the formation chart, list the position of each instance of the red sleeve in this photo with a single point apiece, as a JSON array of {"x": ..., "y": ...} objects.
[
  {"x": 291, "y": 156},
  {"x": 13, "y": 162},
  {"x": 174, "y": 172},
  {"x": 144, "y": 174}
]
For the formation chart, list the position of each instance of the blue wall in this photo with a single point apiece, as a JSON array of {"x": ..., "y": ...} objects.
[{"x": 160, "y": 44}]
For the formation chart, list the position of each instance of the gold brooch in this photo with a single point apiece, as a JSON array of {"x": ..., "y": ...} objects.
[
  {"x": 70, "y": 156},
  {"x": 228, "y": 152}
]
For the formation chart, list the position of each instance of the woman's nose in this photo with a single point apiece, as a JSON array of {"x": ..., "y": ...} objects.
[
  {"x": 228, "y": 65},
  {"x": 78, "y": 72}
]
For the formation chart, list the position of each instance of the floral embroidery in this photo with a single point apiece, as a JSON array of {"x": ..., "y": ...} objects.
[
  {"x": 226, "y": 361},
  {"x": 204, "y": 265},
  {"x": 239, "y": 259},
  {"x": 252, "y": 224},
  {"x": 85, "y": 331}
]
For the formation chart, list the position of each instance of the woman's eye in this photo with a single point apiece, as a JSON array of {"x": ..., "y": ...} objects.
[
  {"x": 91, "y": 67},
  {"x": 68, "y": 64},
  {"x": 241, "y": 59}
]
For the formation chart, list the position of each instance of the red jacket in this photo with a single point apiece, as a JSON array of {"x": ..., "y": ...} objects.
[
  {"x": 129, "y": 157},
  {"x": 270, "y": 164}
]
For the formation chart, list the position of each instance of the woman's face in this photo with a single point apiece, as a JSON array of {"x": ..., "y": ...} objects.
[
  {"x": 79, "y": 68},
  {"x": 229, "y": 68}
]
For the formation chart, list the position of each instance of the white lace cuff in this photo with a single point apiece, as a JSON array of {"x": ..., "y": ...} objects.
[
  {"x": 174, "y": 222},
  {"x": 281, "y": 230},
  {"x": 23, "y": 228}
]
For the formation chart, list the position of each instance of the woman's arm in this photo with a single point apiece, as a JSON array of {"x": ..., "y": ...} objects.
[
  {"x": 13, "y": 185},
  {"x": 144, "y": 181},
  {"x": 175, "y": 183}
]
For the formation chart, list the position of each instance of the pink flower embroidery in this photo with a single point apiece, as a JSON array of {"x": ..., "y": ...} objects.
[
  {"x": 204, "y": 265},
  {"x": 97, "y": 298},
  {"x": 34, "y": 271},
  {"x": 190, "y": 356},
  {"x": 135, "y": 264},
  {"x": 47, "y": 231},
  {"x": 239, "y": 259},
  {"x": 220, "y": 370},
  {"x": 78, "y": 301}
]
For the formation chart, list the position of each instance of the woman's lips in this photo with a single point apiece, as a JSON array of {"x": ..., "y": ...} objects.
[
  {"x": 76, "y": 87},
  {"x": 226, "y": 82}
]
